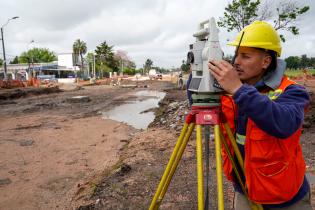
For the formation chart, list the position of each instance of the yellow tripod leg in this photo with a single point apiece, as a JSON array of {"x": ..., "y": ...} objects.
[
  {"x": 199, "y": 168},
  {"x": 230, "y": 156},
  {"x": 219, "y": 167},
  {"x": 235, "y": 147},
  {"x": 177, "y": 159},
  {"x": 155, "y": 202}
]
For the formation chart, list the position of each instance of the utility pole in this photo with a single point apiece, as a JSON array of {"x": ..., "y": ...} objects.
[
  {"x": 29, "y": 60},
  {"x": 81, "y": 68},
  {"x": 4, "y": 58},
  {"x": 94, "y": 66},
  {"x": 3, "y": 49},
  {"x": 88, "y": 69}
]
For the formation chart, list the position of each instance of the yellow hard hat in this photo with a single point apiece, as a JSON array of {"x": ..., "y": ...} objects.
[{"x": 259, "y": 34}]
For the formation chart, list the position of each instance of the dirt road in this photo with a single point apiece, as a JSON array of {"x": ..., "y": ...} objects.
[
  {"x": 50, "y": 144},
  {"x": 59, "y": 154}
]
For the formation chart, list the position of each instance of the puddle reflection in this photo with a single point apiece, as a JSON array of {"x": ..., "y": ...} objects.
[{"x": 132, "y": 113}]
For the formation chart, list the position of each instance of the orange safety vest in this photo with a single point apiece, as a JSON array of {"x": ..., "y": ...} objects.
[{"x": 274, "y": 167}]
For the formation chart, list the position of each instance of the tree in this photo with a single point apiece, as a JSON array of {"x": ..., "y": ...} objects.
[
  {"x": 185, "y": 67},
  {"x": 241, "y": 13},
  {"x": 293, "y": 62},
  {"x": 15, "y": 60},
  {"x": 304, "y": 62},
  {"x": 105, "y": 60},
  {"x": 1, "y": 62},
  {"x": 148, "y": 65},
  {"x": 37, "y": 55},
  {"x": 90, "y": 63},
  {"x": 79, "y": 48},
  {"x": 125, "y": 62},
  {"x": 131, "y": 65},
  {"x": 161, "y": 69}
]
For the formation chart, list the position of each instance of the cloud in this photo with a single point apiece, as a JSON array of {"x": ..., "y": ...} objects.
[{"x": 157, "y": 29}]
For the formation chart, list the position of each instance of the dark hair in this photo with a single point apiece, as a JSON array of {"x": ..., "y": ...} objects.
[
  {"x": 273, "y": 65},
  {"x": 273, "y": 54}
]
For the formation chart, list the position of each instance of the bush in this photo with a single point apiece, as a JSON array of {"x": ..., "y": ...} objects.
[{"x": 129, "y": 71}]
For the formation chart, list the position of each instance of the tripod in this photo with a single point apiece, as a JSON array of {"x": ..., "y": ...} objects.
[{"x": 206, "y": 111}]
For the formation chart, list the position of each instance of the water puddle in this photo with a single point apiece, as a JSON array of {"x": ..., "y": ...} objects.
[{"x": 134, "y": 113}]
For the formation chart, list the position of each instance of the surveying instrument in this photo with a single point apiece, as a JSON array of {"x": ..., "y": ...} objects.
[{"x": 205, "y": 112}]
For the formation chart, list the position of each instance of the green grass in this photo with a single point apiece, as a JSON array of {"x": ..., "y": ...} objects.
[{"x": 298, "y": 73}]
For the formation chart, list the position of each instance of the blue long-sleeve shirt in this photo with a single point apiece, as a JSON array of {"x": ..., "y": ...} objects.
[{"x": 280, "y": 118}]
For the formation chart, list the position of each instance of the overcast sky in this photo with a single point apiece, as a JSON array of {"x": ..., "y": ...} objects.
[{"x": 157, "y": 29}]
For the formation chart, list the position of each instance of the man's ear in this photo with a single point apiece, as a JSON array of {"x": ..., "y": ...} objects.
[{"x": 266, "y": 61}]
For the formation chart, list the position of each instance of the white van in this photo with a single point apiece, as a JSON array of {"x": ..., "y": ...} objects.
[{"x": 152, "y": 74}]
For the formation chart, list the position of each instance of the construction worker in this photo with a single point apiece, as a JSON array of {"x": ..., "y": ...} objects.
[
  {"x": 266, "y": 112},
  {"x": 189, "y": 93}
]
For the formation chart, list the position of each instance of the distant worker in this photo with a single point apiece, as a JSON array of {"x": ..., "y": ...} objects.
[
  {"x": 189, "y": 93},
  {"x": 180, "y": 82},
  {"x": 265, "y": 111}
]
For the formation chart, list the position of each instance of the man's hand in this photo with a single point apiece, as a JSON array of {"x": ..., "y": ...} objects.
[{"x": 226, "y": 75}]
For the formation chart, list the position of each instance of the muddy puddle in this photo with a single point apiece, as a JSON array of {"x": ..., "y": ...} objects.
[{"x": 135, "y": 112}]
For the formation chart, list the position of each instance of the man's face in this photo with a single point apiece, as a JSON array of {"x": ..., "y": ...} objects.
[{"x": 251, "y": 64}]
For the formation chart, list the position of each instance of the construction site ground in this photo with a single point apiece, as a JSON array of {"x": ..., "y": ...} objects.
[{"x": 59, "y": 153}]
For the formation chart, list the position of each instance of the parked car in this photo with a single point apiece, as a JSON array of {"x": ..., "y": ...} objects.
[{"x": 159, "y": 76}]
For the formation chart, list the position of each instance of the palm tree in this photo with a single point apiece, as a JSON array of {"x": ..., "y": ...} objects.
[
  {"x": 79, "y": 48},
  {"x": 148, "y": 64}
]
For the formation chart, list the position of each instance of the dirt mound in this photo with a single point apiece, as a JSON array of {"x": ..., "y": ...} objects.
[
  {"x": 6, "y": 94},
  {"x": 172, "y": 111}
]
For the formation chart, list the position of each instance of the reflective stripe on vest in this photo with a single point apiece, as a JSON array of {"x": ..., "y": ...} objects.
[
  {"x": 273, "y": 95},
  {"x": 240, "y": 139}
]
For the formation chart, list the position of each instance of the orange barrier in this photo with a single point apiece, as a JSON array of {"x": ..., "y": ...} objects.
[
  {"x": 11, "y": 84},
  {"x": 33, "y": 82}
]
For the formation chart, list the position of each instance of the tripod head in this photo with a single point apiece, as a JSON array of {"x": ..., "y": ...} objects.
[{"x": 205, "y": 48}]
